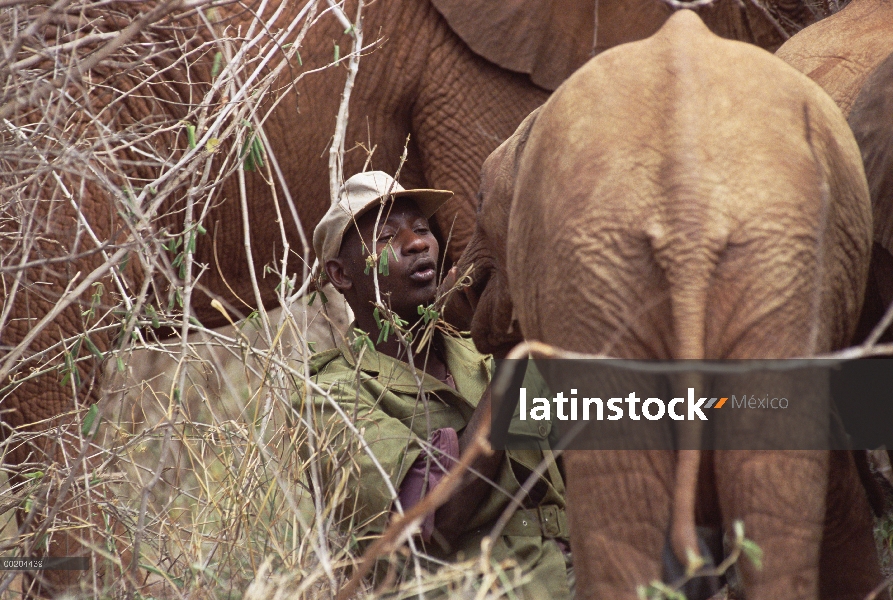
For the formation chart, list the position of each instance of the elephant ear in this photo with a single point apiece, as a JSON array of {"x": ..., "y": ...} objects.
[
  {"x": 871, "y": 120},
  {"x": 548, "y": 40}
]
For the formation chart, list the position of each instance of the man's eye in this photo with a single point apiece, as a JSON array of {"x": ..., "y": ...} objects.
[{"x": 422, "y": 230}]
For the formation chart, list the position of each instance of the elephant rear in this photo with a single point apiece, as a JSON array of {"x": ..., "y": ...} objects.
[
  {"x": 689, "y": 197},
  {"x": 709, "y": 200}
]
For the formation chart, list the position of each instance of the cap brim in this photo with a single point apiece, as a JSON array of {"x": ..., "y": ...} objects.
[{"x": 428, "y": 201}]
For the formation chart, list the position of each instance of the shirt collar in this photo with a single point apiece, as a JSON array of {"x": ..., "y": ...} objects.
[{"x": 471, "y": 370}]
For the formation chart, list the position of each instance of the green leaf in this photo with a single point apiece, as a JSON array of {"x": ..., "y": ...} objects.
[
  {"x": 753, "y": 552},
  {"x": 120, "y": 364},
  {"x": 98, "y": 291},
  {"x": 173, "y": 244},
  {"x": 384, "y": 333},
  {"x": 69, "y": 369},
  {"x": 337, "y": 52},
  {"x": 248, "y": 162},
  {"x": 218, "y": 63},
  {"x": 370, "y": 262},
  {"x": 428, "y": 313},
  {"x": 361, "y": 340},
  {"x": 153, "y": 314},
  {"x": 323, "y": 297},
  {"x": 89, "y": 419},
  {"x": 257, "y": 150},
  {"x": 383, "y": 263},
  {"x": 201, "y": 230},
  {"x": 190, "y": 135},
  {"x": 657, "y": 590},
  {"x": 33, "y": 475},
  {"x": 92, "y": 347},
  {"x": 300, "y": 62},
  {"x": 176, "y": 298},
  {"x": 311, "y": 299}
]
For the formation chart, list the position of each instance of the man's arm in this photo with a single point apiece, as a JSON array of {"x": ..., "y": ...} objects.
[
  {"x": 451, "y": 518},
  {"x": 345, "y": 466}
]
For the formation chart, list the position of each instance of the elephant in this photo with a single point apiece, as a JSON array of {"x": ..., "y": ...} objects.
[
  {"x": 843, "y": 53},
  {"x": 840, "y": 52},
  {"x": 435, "y": 75},
  {"x": 666, "y": 204}
]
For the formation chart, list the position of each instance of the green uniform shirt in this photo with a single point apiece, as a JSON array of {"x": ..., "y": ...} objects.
[{"x": 383, "y": 401}]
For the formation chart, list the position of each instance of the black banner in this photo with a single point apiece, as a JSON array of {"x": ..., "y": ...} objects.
[{"x": 803, "y": 404}]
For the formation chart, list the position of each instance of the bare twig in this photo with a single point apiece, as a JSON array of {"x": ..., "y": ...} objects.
[{"x": 336, "y": 151}]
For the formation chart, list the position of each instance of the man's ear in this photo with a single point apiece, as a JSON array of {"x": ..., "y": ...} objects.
[{"x": 337, "y": 275}]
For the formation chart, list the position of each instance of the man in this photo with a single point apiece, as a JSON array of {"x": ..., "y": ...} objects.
[{"x": 417, "y": 405}]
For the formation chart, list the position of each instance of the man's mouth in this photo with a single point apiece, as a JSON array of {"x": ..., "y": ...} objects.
[{"x": 423, "y": 271}]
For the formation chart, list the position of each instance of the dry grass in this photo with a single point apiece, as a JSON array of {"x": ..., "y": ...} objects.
[
  {"x": 230, "y": 514},
  {"x": 193, "y": 472}
]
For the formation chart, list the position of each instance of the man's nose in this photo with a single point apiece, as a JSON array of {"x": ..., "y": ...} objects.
[{"x": 415, "y": 243}]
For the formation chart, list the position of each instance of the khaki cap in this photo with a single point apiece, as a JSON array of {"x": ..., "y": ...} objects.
[{"x": 359, "y": 195}]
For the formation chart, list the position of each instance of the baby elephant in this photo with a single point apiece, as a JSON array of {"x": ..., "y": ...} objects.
[{"x": 686, "y": 197}]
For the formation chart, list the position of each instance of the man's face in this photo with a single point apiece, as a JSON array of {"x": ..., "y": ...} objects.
[{"x": 412, "y": 250}]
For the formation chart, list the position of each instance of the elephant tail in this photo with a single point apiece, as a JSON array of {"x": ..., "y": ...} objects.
[{"x": 683, "y": 536}]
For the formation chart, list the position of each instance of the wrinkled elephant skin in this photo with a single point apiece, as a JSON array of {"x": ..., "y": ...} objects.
[
  {"x": 848, "y": 54},
  {"x": 423, "y": 79},
  {"x": 665, "y": 203}
]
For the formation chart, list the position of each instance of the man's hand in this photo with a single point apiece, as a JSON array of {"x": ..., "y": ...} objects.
[
  {"x": 459, "y": 306},
  {"x": 452, "y": 518}
]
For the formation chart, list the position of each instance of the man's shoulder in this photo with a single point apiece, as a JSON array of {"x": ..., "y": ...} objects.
[
  {"x": 328, "y": 362},
  {"x": 463, "y": 346}
]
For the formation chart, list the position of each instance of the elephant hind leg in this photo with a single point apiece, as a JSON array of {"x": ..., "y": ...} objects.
[
  {"x": 849, "y": 561},
  {"x": 619, "y": 510},
  {"x": 780, "y": 497}
]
